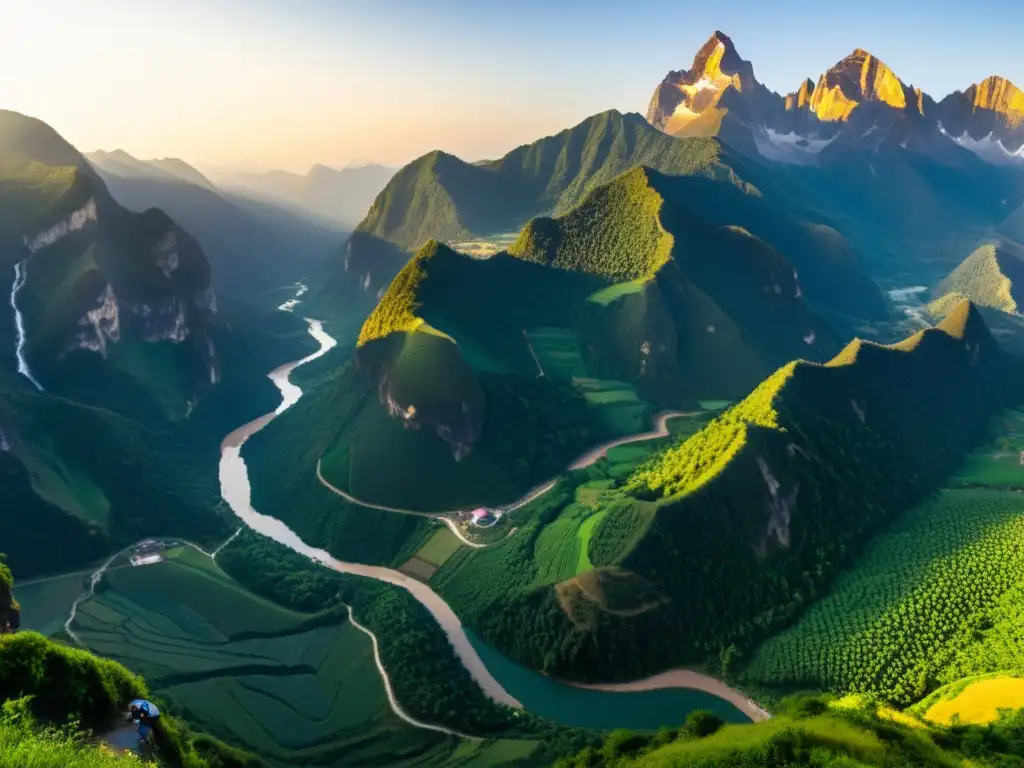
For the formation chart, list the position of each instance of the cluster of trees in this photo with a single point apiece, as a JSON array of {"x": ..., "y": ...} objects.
[
  {"x": 623, "y": 746},
  {"x": 922, "y": 589},
  {"x": 615, "y": 233},
  {"x": 811, "y": 730}
]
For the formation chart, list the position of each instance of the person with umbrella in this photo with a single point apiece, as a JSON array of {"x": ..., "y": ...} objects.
[{"x": 145, "y": 713}]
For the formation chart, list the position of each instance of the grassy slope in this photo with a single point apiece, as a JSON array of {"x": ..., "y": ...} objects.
[
  {"x": 990, "y": 277},
  {"x": 813, "y": 733}
]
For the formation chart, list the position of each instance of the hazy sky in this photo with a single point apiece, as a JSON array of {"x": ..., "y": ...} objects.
[{"x": 269, "y": 83}]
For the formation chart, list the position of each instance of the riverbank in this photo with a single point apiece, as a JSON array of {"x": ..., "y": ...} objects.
[
  {"x": 236, "y": 492},
  {"x": 683, "y": 678}
]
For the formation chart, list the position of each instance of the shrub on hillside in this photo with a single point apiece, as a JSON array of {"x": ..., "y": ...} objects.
[{"x": 66, "y": 683}]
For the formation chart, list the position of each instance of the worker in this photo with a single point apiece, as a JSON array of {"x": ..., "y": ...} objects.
[{"x": 145, "y": 714}]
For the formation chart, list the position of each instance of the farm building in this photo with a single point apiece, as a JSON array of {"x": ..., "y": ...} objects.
[
  {"x": 138, "y": 560},
  {"x": 482, "y": 516}
]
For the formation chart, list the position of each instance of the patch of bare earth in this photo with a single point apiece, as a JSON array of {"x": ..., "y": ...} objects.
[
  {"x": 418, "y": 569},
  {"x": 606, "y": 590}
]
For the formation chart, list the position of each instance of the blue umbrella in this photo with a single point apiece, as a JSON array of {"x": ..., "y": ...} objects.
[{"x": 146, "y": 706}]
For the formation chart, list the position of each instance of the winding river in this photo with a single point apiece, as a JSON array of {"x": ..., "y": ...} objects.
[{"x": 666, "y": 698}]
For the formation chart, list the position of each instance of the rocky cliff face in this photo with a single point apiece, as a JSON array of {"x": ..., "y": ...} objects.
[
  {"x": 113, "y": 275},
  {"x": 694, "y": 101},
  {"x": 86, "y": 273},
  {"x": 987, "y": 118},
  {"x": 423, "y": 380},
  {"x": 857, "y": 104}
]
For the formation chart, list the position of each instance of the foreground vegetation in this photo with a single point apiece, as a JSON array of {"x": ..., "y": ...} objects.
[
  {"x": 815, "y": 731},
  {"x": 56, "y": 700},
  {"x": 924, "y": 587}
]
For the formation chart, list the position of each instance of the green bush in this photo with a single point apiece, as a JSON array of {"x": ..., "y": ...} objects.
[{"x": 66, "y": 683}]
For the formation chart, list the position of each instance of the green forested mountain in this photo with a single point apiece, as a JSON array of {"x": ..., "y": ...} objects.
[
  {"x": 121, "y": 367},
  {"x": 631, "y": 292},
  {"x": 441, "y": 197},
  {"x": 720, "y": 540},
  {"x": 992, "y": 276}
]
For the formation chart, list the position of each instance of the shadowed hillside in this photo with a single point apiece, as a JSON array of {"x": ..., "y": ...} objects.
[
  {"x": 253, "y": 246},
  {"x": 122, "y": 368}
]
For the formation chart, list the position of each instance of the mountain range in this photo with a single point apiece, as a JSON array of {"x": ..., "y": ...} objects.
[
  {"x": 255, "y": 246},
  {"x": 672, "y": 355},
  {"x": 338, "y": 196},
  {"x": 859, "y": 103}
]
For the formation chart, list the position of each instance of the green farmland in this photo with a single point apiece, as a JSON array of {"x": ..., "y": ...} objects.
[
  {"x": 558, "y": 352},
  {"x": 46, "y": 603},
  {"x": 997, "y": 463},
  {"x": 294, "y": 688},
  {"x": 439, "y": 547}
]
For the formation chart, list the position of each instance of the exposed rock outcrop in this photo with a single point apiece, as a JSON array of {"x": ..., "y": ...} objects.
[{"x": 859, "y": 103}]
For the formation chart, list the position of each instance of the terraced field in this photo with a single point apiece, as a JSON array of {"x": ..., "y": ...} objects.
[
  {"x": 434, "y": 553},
  {"x": 558, "y": 352},
  {"x": 45, "y": 603},
  {"x": 556, "y": 551},
  {"x": 297, "y": 689},
  {"x": 620, "y": 405}
]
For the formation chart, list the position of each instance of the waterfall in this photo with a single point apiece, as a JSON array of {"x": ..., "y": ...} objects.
[{"x": 20, "y": 271}]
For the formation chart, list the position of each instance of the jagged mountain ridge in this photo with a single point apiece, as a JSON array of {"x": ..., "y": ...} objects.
[
  {"x": 988, "y": 118},
  {"x": 858, "y": 103}
]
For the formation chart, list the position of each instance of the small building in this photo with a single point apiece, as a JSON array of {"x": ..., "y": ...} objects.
[
  {"x": 138, "y": 560},
  {"x": 482, "y": 516}
]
